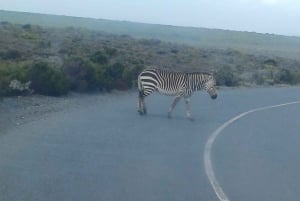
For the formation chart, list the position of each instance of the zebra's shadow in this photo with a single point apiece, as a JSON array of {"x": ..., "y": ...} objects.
[{"x": 165, "y": 117}]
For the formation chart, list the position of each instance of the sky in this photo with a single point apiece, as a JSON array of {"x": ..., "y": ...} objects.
[{"x": 261, "y": 16}]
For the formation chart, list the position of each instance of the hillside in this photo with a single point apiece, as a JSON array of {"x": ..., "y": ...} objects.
[
  {"x": 253, "y": 43},
  {"x": 53, "y": 61}
]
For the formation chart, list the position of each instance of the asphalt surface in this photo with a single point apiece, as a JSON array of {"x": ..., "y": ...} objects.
[
  {"x": 258, "y": 157},
  {"x": 106, "y": 151}
]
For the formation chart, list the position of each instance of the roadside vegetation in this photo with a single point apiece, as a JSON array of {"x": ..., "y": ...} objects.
[{"x": 54, "y": 61}]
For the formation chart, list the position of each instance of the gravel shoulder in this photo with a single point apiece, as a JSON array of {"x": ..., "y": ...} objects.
[{"x": 16, "y": 111}]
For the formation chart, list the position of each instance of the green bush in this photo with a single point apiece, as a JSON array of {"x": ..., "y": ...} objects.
[
  {"x": 46, "y": 80},
  {"x": 258, "y": 78},
  {"x": 116, "y": 76},
  {"x": 111, "y": 51},
  {"x": 285, "y": 76},
  {"x": 130, "y": 75},
  {"x": 104, "y": 80},
  {"x": 296, "y": 77},
  {"x": 227, "y": 77},
  {"x": 12, "y": 71},
  {"x": 99, "y": 57},
  {"x": 4, "y": 85},
  {"x": 11, "y": 55},
  {"x": 114, "y": 72},
  {"x": 81, "y": 74}
]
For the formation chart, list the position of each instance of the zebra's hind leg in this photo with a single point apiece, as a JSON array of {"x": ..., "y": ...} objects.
[
  {"x": 141, "y": 106},
  {"x": 175, "y": 101},
  {"x": 188, "y": 109}
]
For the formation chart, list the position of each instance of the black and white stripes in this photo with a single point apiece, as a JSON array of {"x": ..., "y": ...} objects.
[{"x": 174, "y": 83}]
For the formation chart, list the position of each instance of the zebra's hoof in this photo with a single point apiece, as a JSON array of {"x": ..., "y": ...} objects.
[
  {"x": 142, "y": 112},
  {"x": 191, "y": 118},
  {"x": 169, "y": 116}
]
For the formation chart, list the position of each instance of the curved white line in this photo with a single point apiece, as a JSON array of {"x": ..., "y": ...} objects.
[{"x": 208, "y": 146}]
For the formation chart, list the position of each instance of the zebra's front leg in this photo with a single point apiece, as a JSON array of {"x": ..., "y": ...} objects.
[
  {"x": 175, "y": 101},
  {"x": 188, "y": 109}
]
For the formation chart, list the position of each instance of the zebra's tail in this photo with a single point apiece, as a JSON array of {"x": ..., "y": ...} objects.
[{"x": 140, "y": 86}]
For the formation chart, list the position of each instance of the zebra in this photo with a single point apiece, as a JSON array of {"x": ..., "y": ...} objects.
[{"x": 174, "y": 83}]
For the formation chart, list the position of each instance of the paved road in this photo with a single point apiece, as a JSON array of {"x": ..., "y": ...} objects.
[
  {"x": 108, "y": 152},
  {"x": 257, "y": 157}
]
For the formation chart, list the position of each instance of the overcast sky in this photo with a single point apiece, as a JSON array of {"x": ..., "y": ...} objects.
[{"x": 263, "y": 16}]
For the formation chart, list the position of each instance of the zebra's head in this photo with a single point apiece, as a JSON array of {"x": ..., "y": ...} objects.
[{"x": 210, "y": 87}]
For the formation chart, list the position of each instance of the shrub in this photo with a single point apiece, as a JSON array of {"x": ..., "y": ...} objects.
[
  {"x": 99, "y": 57},
  {"x": 81, "y": 74},
  {"x": 227, "y": 77},
  {"x": 4, "y": 85},
  {"x": 258, "y": 78},
  {"x": 104, "y": 80},
  {"x": 111, "y": 51},
  {"x": 26, "y": 26},
  {"x": 10, "y": 71},
  {"x": 46, "y": 80},
  {"x": 130, "y": 75},
  {"x": 115, "y": 71},
  {"x": 11, "y": 55},
  {"x": 285, "y": 76}
]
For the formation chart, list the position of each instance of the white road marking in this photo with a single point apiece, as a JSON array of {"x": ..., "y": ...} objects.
[{"x": 208, "y": 146}]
